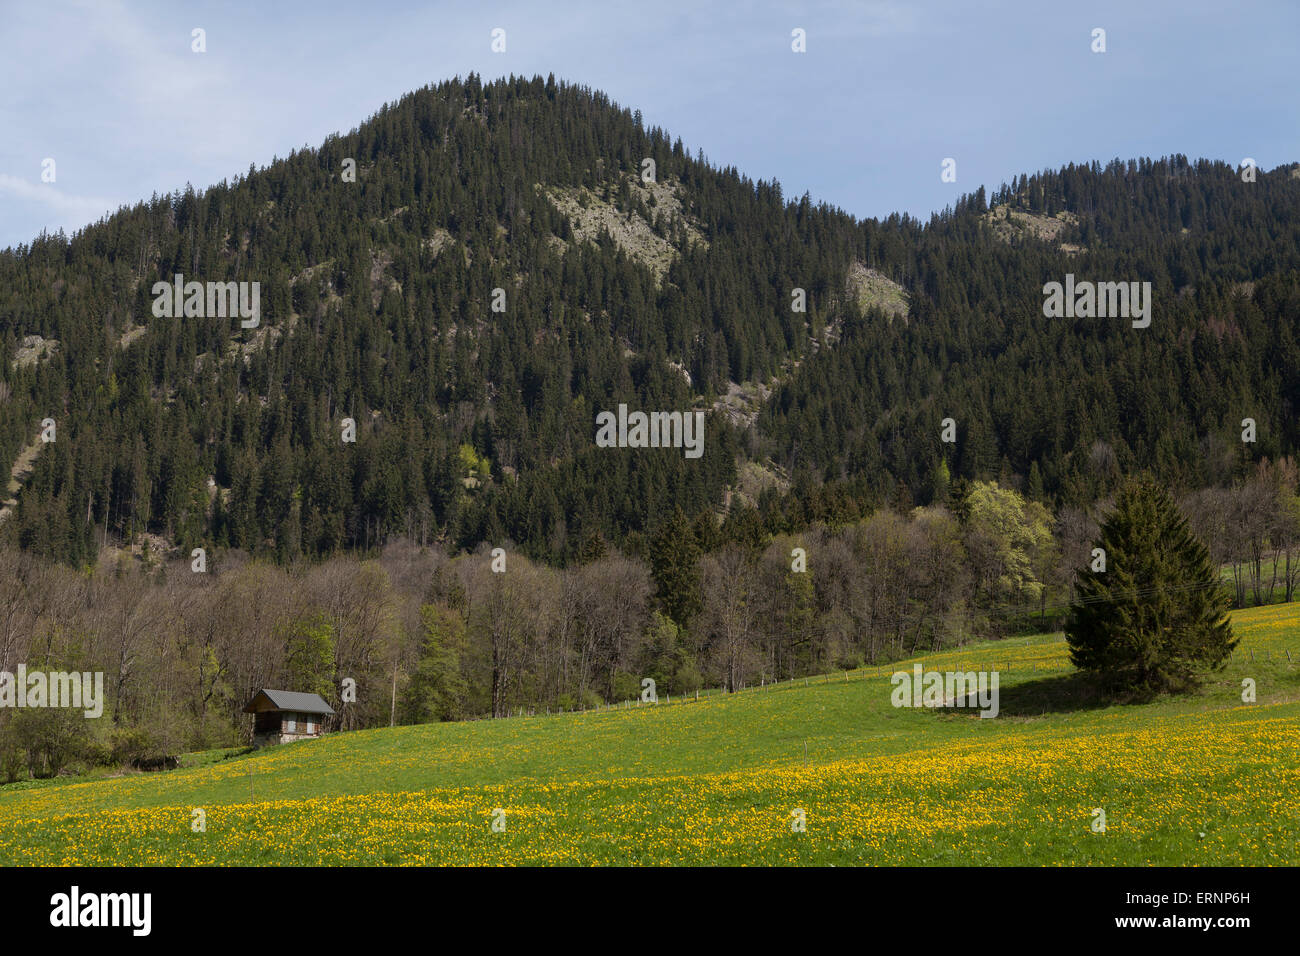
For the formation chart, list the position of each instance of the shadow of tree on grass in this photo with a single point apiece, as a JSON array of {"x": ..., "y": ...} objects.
[{"x": 1065, "y": 694}]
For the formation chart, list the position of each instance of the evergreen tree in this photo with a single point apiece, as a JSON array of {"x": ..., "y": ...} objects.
[
  {"x": 593, "y": 547},
  {"x": 674, "y": 563},
  {"x": 1156, "y": 618}
]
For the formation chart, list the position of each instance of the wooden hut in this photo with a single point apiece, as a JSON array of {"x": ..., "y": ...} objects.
[{"x": 283, "y": 716}]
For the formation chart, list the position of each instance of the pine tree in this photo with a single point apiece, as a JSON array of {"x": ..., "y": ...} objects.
[
  {"x": 940, "y": 482},
  {"x": 1035, "y": 490},
  {"x": 674, "y": 560},
  {"x": 593, "y": 547},
  {"x": 1156, "y": 618}
]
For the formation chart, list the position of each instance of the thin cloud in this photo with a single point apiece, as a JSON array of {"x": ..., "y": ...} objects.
[{"x": 79, "y": 209}]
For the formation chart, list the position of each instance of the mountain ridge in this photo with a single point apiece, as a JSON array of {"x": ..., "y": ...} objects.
[{"x": 368, "y": 318}]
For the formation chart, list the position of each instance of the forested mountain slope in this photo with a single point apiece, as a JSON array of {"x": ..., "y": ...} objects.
[{"x": 475, "y": 424}]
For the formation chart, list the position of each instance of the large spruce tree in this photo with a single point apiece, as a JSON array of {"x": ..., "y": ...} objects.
[{"x": 1156, "y": 618}]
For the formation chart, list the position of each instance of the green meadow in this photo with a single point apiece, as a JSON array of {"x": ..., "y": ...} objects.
[{"x": 823, "y": 771}]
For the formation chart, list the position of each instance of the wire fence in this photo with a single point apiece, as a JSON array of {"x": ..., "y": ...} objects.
[{"x": 1009, "y": 665}]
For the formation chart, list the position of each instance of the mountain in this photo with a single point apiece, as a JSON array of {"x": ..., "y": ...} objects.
[{"x": 478, "y": 271}]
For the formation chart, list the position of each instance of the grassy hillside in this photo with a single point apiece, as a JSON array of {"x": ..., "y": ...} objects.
[{"x": 1203, "y": 780}]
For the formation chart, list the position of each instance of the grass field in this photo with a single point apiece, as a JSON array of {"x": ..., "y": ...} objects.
[{"x": 1198, "y": 780}]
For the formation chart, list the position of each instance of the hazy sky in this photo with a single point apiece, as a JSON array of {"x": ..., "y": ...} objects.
[{"x": 111, "y": 90}]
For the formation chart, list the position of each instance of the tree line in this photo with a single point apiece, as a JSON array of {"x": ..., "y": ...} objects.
[{"x": 427, "y": 635}]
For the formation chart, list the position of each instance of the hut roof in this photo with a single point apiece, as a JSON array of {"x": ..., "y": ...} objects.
[{"x": 289, "y": 700}]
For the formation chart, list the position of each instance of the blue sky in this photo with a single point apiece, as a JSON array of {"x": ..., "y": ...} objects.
[{"x": 887, "y": 89}]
